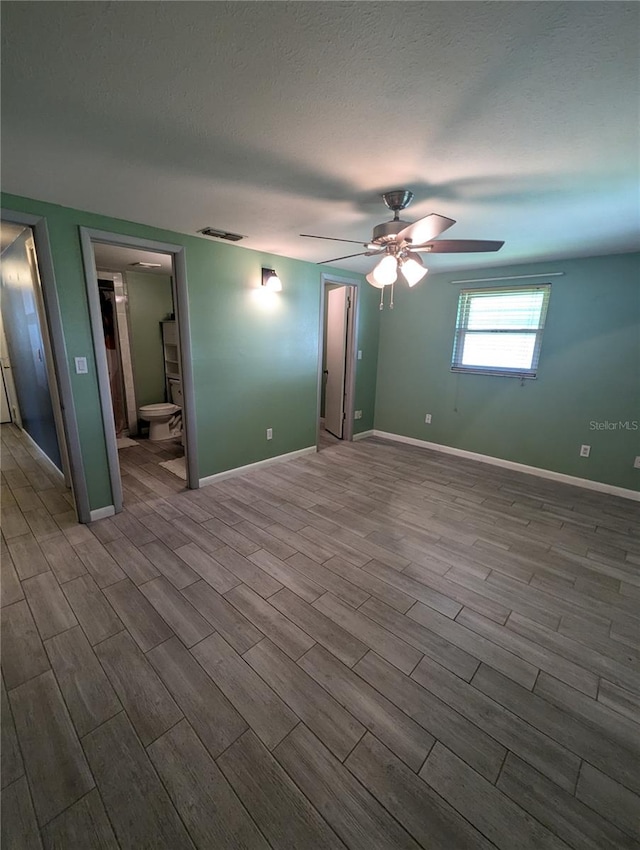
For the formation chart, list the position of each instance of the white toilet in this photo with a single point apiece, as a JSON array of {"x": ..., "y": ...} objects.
[{"x": 162, "y": 418}]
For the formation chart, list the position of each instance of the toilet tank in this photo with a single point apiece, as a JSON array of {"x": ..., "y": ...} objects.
[{"x": 175, "y": 390}]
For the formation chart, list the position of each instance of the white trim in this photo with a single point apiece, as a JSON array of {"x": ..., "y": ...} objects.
[
  {"x": 586, "y": 483},
  {"x": 102, "y": 513},
  {"x": 240, "y": 470},
  {"x": 363, "y": 435}
]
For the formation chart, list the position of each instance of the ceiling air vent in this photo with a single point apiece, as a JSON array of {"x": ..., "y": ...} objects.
[{"x": 221, "y": 234}]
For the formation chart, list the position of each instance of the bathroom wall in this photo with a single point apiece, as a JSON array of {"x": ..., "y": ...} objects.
[
  {"x": 150, "y": 301},
  {"x": 255, "y": 354}
]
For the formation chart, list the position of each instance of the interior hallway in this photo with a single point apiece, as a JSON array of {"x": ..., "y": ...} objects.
[{"x": 377, "y": 646}]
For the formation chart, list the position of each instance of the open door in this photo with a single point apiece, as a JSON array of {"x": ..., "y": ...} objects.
[
  {"x": 28, "y": 361},
  {"x": 336, "y": 342}
]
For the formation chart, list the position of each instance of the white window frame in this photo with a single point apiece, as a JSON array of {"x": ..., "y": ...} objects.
[{"x": 461, "y": 331}]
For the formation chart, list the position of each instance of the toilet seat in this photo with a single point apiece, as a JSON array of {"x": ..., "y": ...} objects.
[{"x": 161, "y": 409}]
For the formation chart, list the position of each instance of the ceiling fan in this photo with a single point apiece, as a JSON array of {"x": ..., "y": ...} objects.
[{"x": 399, "y": 243}]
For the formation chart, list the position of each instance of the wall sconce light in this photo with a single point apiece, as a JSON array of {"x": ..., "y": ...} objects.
[{"x": 271, "y": 281}]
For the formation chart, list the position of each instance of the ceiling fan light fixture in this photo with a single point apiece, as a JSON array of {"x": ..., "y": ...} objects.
[
  {"x": 398, "y": 241},
  {"x": 386, "y": 272},
  {"x": 413, "y": 270},
  {"x": 371, "y": 279}
]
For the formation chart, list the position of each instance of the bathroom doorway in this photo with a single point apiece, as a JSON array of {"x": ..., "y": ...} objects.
[
  {"x": 137, "y": 298},
  {"x": 337, "y": 380}
]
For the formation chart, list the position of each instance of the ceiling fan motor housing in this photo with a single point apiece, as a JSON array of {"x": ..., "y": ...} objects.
[{"x": 386, "y": 232}]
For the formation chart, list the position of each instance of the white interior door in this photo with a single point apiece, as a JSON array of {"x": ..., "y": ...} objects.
[{"x": 337, "y": 306}]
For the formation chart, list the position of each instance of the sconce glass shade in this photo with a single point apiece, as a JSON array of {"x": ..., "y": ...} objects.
[
  {"x": 413, "y": 270},
  {"x": 386, "y": 272},
  {"x": 271, "y": 281}
]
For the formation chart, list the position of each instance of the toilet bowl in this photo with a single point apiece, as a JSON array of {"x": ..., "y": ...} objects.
[{"x": 158, "y": 416}]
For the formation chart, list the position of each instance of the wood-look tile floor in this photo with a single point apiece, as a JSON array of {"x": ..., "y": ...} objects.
[
  {"x": 373, "y": 647},
  {"x": 326, "y": 439},
  {"x": 141, "y": 473}
]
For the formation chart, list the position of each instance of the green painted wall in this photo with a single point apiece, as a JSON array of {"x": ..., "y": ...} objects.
[
  {"x": 589, "y": 372},
  {"x": 150, "y": 301},
  {"x": 255, "y": 354}
]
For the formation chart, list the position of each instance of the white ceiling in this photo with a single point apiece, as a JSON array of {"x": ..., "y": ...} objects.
[
  {"x": 117, "y": 259},
  {"x": 270, "y": 119}
]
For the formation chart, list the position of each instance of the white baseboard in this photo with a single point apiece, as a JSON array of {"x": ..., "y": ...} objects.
[
  {"x": 252, "y": 467},
  {"x": 102, "y": 513},
  {"x": 363, "y": 435},
  {"x": 586, "y": 483}
]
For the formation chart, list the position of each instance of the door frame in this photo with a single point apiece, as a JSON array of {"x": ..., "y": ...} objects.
[
  {"x": 53, "y": 330},
  {"x": 181, "y": 307},
  {"x": 124, "y": 342},
  {"x": 352, "y": 353}
]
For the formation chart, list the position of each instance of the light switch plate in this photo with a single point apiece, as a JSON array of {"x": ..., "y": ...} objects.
[{"x": 81, "y": 366}]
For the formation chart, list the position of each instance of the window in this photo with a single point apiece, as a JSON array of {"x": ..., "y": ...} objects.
[{"x": 499, "y": 330}]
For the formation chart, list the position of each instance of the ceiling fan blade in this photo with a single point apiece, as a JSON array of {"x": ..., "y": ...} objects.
[
  {"x": 332, "y": 238},
  {"x": 425, "y": 229},
  {"x": 335, "y": 259},
  {"x": 458, "y": 246}
]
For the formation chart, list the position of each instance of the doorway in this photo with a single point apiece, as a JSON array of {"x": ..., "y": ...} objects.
[
  {"x": 139, "y": 319},
  {"x": 30, "y": 393},
  {"x": 339, "y": 312},
  {"x": 56, "y": 362}
]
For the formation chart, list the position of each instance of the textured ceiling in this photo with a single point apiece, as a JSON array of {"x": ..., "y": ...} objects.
[
  {"x": 519, "y": 120},
  {"x": 114, "y": 258}
]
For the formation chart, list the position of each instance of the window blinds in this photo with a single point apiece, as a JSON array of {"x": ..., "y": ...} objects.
[{"x": 499, "y": 330}]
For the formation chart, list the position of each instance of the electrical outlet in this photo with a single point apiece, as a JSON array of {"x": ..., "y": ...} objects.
[
  {"x": 427, "y": 419},
  {"x": 359, "y": 354},
  {"x": 357, "y": 414},
  {"x": 269, "y": 433},
  {"x": 585, "y": 451},
  {"x": 636, "y": 463}
]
